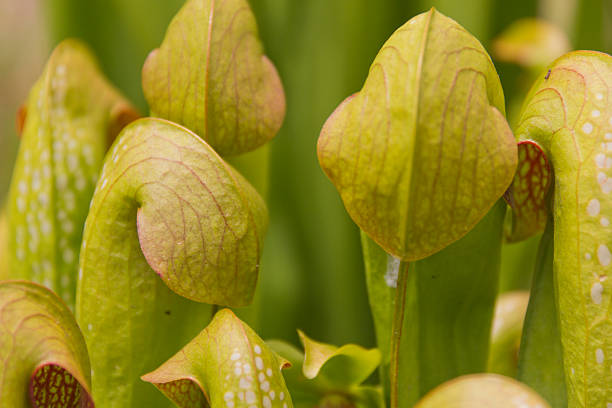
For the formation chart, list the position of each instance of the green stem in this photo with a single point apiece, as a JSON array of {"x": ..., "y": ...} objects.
[
  {"x": 396, "y": 336},
  {"x": 540, "y": 360}
]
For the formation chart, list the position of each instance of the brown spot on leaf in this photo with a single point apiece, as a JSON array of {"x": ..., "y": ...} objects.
[
  {"x": 121, "y": 115},
  {"x": 22, "y": 113}
]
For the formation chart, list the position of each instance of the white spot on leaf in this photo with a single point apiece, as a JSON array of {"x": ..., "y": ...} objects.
[
  {"x": 250, "y": 397},
  {"x": 80, "y": 183},
  {"x": 604, "y": 182},
  {"x": 45, "y": 227},
  {"x": 244, "y": 383},
  {"x": 603, "y": 254},
  {"x": 20, "y": 204},
  {"x": 68, "y": 255},
  {"x": 596, "y": 292},
  {"x": 61, "y": 181},
  {"x": 599, "y": 356},
  {"x": 35, "y": 180},
  {"x": 593, "y": 207},
  {"x": 392, "y": 272},
  {"x": 88, "y": 154},
  {"x": 73, "y": 163},
  {"x": 587, "y": 128}
]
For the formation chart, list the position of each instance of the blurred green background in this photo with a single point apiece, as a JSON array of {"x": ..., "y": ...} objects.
[{"x": 312, "y": 273}]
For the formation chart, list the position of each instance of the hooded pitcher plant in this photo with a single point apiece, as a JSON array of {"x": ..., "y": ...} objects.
[
  {"x": 226, "y": 365},
  {"x": 171, "y": 223},
  {"x": 70, "y": 119},
  {"x": 43, "y": 353},
  {"x": 419, "y": 156},
  {"x": 210, "y": 75},
  {"x": 567, "y": 114}
]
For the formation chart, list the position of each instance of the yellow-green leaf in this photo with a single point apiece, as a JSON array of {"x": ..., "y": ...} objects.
[
  {"x": 423, "y": 151},
  {"x": 531, "y": 42},
  {"x": 568, "y": 112},
  {"x": 43, "y": 353},
  {"x": 226, "y": 366},
  {"x": 211, "y": 76},
  {"x": 169, "y": 221},
  {"x": 482, "y": 391},
  {"x": 71, "y": 117}
]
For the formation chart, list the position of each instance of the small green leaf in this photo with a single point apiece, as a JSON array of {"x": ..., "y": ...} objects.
[
  {"x": 568, "y": 112},
  {"x": 423, "y": 151},
  {"x": 43, "y": 353},
  {"x": 323, "y": 389},
  {"x": 482, "y": 391},
  {"x": 506, "y": 331},
  {"x": 169, "y": 220},
  {"x": 344, "y": 366},
  {"x": 226, "y": 366},
  {"x": 71, "y": 117},
  {"x": 528, "y": 194},
  {"x": 531, "y": 42},
  {"x": 211, "y": 76}
]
